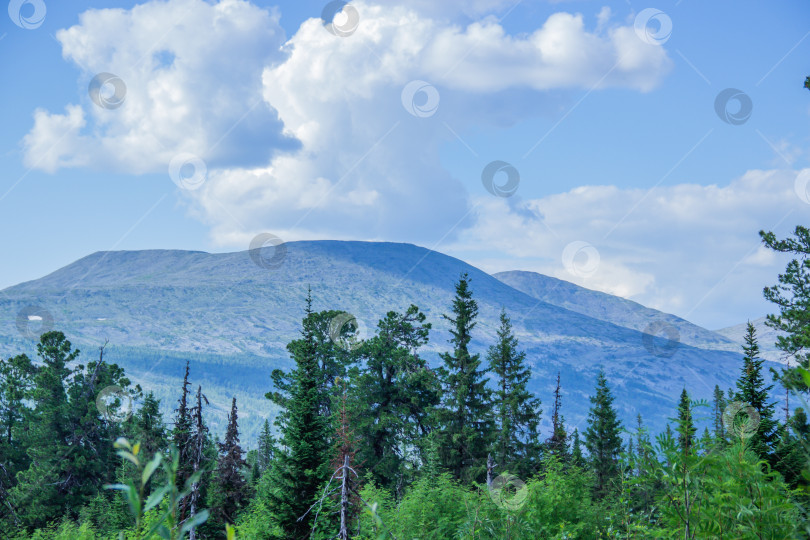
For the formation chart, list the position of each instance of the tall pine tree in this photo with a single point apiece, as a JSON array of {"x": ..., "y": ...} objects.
[
  {"x": 302, "y": 465},
  {"x": 752, "y": 390},
  {"x": 517, "y": 411},
  {"x": 394, "y": 394},
  {"x": 229, "y": 491},
  {"x": 602, "y": 438},
  {"x": 466, "y": 415},
  {"x": 686, "y": 426},
  {"x": 558, "y": 442}
]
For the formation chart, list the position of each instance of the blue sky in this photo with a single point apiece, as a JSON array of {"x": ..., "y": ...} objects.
[{"x": 630, "y": 182}]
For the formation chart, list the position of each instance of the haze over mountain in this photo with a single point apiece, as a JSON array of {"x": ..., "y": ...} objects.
[{"x": 232, "y": 318}]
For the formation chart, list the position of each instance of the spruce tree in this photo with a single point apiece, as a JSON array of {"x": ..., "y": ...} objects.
[
  {"x": 517, "y": 412},
  {"x": 686, "y": 425},
  {"x": 602, "y": 438},
  {"x": 229, "y": 491},
  {"x": 147, "y": 427},
  {"x": 182, "y": 433},
  {"x": 266, "y": 450},
  {"x": 558, "y": 442},
  {"x": 719, "y": 405},
  {"x": 576, "y": 450},
  {"x": 301, "y": 467},
  {"x": 466, "y": 415},
  {"x": 752, "y": 390}
]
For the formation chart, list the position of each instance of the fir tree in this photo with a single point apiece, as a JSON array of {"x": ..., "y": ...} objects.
[
  {"x": 602, "y": 438},
  {"x": 266, "y": 451},
  {"x": 229, "y": 493},
  {"x": 719, "y": 405},
  {"x": 558, "y": 442},
  {"x": 686, "y": 425},
  {"x": 301, "y": 467},
  {"x": 576, "y": 450},
  {"x": 517, "y": 412},
  {"x": 182, "y": 433},
  {"x": 465, "y": 416},
  {"x": 752, "y": 390}
]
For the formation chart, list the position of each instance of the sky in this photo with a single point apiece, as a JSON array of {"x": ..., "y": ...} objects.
[{"x": 628, "y": 147}]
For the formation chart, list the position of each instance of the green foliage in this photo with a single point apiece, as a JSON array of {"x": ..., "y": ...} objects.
[
  {"x": 602, "y": 438},
  {"x": 517, "y": 412},
  {"x": 394, "y": 393},
  {"x": 168, "y": 524},
  {"x": 300, "y": 470},
  {"x": 465, "y": 415}
]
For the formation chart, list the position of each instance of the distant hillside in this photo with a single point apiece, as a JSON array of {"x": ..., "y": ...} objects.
[
  {"x": 766, "y": 338},
  {"x": 613, "y": 309},
  {"x": 233, "y": 318}
]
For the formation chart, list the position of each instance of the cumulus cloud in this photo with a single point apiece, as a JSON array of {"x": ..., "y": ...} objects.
[
  {"x": 653, "y": 244},
  {"x": 367, "y": 166},
  {"x": 192, "y": 76},
  {"x": 309, "y": 138}
]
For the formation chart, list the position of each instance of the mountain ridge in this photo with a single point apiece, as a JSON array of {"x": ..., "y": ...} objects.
[{"x": 231, "y": 318}]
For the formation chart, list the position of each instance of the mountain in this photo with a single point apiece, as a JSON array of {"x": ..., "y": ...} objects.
[
  {"x": 614, "y": 309},
  {"x": 231, "y": 317},
  {"x": 766, "y": 338}
]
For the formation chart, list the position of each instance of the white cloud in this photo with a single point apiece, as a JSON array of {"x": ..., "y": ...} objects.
[
  {"x": 687, "y": 237},
  {"x": 367, "y": 167},
  {"x": 192, "y": 70}
]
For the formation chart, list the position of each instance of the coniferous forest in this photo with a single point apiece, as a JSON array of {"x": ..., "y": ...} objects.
[{"x": 373, "y": 442}]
